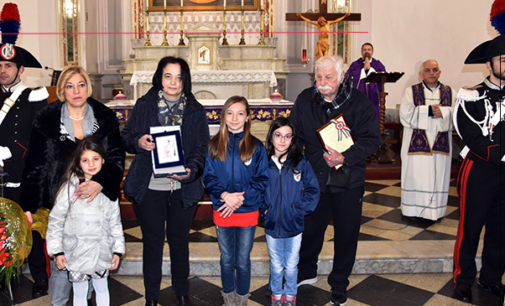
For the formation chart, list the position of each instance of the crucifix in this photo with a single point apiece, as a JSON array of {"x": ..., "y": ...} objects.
[{"x": 322, "y": 23}]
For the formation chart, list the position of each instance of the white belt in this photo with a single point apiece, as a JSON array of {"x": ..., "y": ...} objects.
[
  {"x": 10, "y": 101},
  {"x": 12, "y": 185}
]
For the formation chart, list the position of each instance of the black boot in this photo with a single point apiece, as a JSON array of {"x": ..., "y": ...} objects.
[
  {"x": 183, "y": 300},
  {"x": 464, "y": 292},
  {"x": 40, "y": 288}
]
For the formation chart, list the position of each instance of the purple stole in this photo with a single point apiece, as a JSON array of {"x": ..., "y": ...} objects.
[{"x": 419, "y": 144}]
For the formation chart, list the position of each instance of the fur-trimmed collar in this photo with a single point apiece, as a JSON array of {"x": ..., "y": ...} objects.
[{"x": 48, "y": 119}]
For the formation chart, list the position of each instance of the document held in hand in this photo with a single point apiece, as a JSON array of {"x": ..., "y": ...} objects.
[
  {"x": 337, "y": 135},
  {"x": 167, "y": 156}
]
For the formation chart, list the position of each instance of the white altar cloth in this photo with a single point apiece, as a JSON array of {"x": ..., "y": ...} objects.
[{"x": 213, "y": 76}]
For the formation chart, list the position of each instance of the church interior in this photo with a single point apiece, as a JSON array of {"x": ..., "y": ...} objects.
[{"x": 261, "y": 50}]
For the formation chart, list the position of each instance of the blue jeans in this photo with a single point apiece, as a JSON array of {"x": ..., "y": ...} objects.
[
  {"x": 61, "y": 287},
  {"x": 284, "y": 255},
  {"x": 235, "y": 244}
]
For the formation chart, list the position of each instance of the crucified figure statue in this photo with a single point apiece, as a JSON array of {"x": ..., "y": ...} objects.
[{"x": 324, "y": 28}]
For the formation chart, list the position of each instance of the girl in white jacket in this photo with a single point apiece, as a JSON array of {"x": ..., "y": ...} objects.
[{"x": 85, "y": 235}]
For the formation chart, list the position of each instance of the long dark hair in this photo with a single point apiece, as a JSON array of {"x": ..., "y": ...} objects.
[
  {"x": 218, "y": 145},
  {"x": 185, "y": 73},
  {"x": 74, "y": 160},
  {"x": 294, "y": 154}
]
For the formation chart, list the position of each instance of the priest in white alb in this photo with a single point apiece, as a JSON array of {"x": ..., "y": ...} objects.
[{"x": 426, "y": 116}]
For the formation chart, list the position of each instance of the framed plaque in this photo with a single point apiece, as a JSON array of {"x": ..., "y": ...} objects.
[
  {"x": 167, "y": 156},
  {"x": 337, "y": 135}
]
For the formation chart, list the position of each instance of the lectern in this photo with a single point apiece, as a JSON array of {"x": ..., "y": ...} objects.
[{"x": 383, "y": 78}]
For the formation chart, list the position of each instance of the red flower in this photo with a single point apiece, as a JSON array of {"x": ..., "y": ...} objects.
[{"x": 5, "y": 258}]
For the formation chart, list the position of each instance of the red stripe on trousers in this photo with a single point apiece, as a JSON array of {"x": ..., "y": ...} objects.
[
  {"x": 462, "y": 181},
  {"x": 48, "y": 261}
]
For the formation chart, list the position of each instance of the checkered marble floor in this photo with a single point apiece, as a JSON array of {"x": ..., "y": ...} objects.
[
  {"x": 378, "y": 290},
  {"x": 384, "y": 233}
]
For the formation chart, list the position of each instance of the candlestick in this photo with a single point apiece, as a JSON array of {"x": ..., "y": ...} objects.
[
  {"x": 148, "y": 41},
  {"x": 225, "y": 41},
  {"x": 165, "y": 41},
  {"x": 242, "y": 40},
  {"x": 181, "y": 41},
  {"x": 262, "y": 17}
]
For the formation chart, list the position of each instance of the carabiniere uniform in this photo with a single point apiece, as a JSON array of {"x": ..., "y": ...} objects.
[
  {"x": 479, "y": 120},
  {"x": 15, "y": 130}
]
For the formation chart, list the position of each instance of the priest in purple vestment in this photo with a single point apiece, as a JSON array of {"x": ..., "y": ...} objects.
[{"x": 360, "y": 69}]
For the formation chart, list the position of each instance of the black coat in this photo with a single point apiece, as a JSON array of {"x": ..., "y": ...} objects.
[
  {"x": 307, "y": 116},
  {"x": 15, "y": 135},
  {"x": 47, "y": 159},
  {"x": 195, "y": 137}
]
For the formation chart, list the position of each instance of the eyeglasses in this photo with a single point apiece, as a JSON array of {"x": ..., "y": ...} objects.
[{"x": 280, "y": 136}]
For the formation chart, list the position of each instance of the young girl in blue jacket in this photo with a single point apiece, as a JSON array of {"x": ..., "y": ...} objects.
[
  {"x": 292, "y": 193},
  {"x": 236, "y": 176}
]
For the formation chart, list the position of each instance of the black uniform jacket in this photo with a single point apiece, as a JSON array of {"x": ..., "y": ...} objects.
[{"x": 15, "y": 133}]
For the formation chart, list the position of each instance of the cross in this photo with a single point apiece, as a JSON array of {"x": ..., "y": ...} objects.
[{"x": 323, "y": 12}]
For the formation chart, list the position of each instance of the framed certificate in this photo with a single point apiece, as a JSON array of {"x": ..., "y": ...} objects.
[
  {"x": 167, "y": 156},
  {"x": 337, "y": 135}
]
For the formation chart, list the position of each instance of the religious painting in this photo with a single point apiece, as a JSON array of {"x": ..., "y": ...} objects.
[
  {"x": 203, "y": 5},
  {"x": 204, "y": 55}
]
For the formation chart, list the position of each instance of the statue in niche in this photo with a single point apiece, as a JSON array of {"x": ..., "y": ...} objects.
[
  {"x": 204, "y": 55},
  {"x": 323, "y": 26}
]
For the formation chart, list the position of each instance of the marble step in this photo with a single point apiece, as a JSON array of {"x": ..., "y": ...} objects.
[{"x": 374, "y": 257}]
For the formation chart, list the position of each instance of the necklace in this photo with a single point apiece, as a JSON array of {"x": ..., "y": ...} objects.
[{"x": 75, "y": 119}]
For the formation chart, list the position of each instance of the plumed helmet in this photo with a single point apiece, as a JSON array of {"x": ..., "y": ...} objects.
[
  {"x": 9, "y": 25},
  {"x": 491, "y": 48}
]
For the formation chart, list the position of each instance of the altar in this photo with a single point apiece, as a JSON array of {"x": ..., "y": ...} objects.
[
  {"x": 216, "y": 84},
  {"x": 217, "y": 71},
  {"x": 262, "y": 112}
]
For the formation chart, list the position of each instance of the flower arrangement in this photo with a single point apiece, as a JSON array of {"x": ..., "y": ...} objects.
[{"x": 15, "y": 240}]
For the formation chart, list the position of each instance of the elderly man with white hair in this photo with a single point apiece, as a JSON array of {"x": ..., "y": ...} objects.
[
  {"x": 426, "y": 115},
  {"x": 342, "y": 191}
]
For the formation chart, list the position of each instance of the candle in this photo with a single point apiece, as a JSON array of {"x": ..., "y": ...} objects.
[
  {"x": 165, "y": 4},
  {"x": 147, "y": 5},
  {"x": 182, "y": 2},
  {"x": 304, "y": 55},
  {"x": 242, "y": 3},
  {"x": 224, "y": 5},
  {"x": 261, "y": 5}
]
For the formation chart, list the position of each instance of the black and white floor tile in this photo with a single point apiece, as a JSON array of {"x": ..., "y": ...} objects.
[{"x": 381, "y": 221}]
